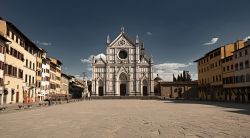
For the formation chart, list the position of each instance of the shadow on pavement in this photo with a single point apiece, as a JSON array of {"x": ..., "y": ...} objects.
[{"x": 240, "y": 108}]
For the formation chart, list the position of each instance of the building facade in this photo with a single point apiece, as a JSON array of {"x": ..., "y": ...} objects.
[
  {"x": 14, "y": 60},
  {"x": 23, "y": 68},
  {"x": 186, "y": 90},
  {"x": 29, "y": 70},
  {"x": 3, "y": 44},
  {"x": 55, "y": 76},
  {"x": 223, "y": 73},
  {"x": 210, "y": 70},
  {"x": 237, "y": 80},
  {"x": 124, "y": 71},
  {"x": 65, "y": 84},
  {"x": 45, "y": 83},
  {"x": 76, "y": 88},
  {"x": 39, "y": 73}
]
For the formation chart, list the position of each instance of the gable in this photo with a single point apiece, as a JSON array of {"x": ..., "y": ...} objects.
[
  {"x": 144, "y": 60},
  {"x": 99, "y": 61},
  {"x": 122, "y": 69},
  {"x": 121, "y": 41}
]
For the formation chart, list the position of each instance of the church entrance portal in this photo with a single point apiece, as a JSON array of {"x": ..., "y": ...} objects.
[
  {"x": 100, "y": 91},
  {"x": 145, "y": 91},
  {"x": 123, "y": 90}
]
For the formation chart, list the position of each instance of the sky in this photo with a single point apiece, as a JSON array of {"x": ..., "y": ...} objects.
[{"x": 174, "y": 32}]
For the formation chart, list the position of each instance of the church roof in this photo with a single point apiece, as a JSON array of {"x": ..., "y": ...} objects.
[{"x": 122, "y": 34}]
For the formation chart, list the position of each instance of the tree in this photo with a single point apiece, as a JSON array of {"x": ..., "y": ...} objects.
[{"x": 174, "y": 79}]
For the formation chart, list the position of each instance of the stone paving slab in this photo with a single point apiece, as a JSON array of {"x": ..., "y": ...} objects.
[{"x": 128, "y": 119}]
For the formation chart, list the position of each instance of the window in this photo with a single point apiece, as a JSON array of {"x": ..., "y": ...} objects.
[
  {"x": 235, "y": 55},
  {"x": 12, "y": 94},
  {"x": 246, "y": 52},
  {"x": 12, "y": 35},
  {"x": 1, "y": 65},
  {"x": 2, "y": 49},
  {"x": 1, "y": 82},
  {"x": 33, "y": 80},
  {"x": 211, "y": 56},
  {"x": 227, "y": 68},
  {"x": 241, "y": 65},
  {"x": 242, "y": 78},
  {"x": 247, "y": 64},
  {"x": 240, "y": 54},
  {"x": 29, "y": 79},
  {"x": 27, "y": 63},
  {"x": 247, "y": 77},
  {"x": 26, "y": 78},
  {"x": 20, "y": 73},
  {"x": 232, "y": 67},
  {"x": 236, "y": 66},
  {"x": 9, "y": 69}
]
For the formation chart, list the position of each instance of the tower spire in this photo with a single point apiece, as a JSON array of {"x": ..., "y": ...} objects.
[
  {"x": 108, "y": 39},
  {"x": 142, "y": 49},
  {"x": 122, "y": 29},
  {"x": 137, "y": 39}
]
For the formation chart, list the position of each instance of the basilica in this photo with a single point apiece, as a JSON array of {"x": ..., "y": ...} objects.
[{"x": 125, "y": 70}]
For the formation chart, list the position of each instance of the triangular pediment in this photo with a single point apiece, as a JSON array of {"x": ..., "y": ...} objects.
[
  {"x": 122, "y": 69},
  {"x": 121, "y": 41},
  {"x": 99, "y": 61},
  {"x": 144, "y": 60}
]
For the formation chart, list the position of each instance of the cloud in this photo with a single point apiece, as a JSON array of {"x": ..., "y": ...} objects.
[
  {"x": 166, "y": 70},
  {"x": 213, "y": 41},
  {"x": 246, "y": 38},
  {"x": 89, "y": 59},
  {"x": 43, "y": 43},
  {"x": 194, "y": 75},
  {"x": 149, "y": 33},
  {"x": 87, "y": 63}
]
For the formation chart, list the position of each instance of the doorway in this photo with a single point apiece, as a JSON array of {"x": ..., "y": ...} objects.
[
  {"x": 17, "y": 97},
  {"x": 100, "y": 91},
  {"x": 123, "y": 89},
  {"x": 145, "y": 90}
]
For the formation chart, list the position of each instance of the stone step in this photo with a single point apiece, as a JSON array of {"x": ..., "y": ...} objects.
[{"x": 126, "y": 97}]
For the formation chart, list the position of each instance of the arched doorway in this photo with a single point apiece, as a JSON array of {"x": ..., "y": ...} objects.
[
  {"x": 100, "y": 88},
  {"x": 145, "y": 88},
  {"x": 123, "y": 90},
  {"x": 123, "y": 84}
]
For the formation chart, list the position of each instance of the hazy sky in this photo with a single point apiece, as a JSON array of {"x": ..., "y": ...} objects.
[{"x": 175, "y": 32}]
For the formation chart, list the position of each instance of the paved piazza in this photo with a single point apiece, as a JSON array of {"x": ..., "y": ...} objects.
[{"x": 129, "y": 118}]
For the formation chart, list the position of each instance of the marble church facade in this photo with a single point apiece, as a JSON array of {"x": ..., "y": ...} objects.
[{"x": 124, "y": 71}]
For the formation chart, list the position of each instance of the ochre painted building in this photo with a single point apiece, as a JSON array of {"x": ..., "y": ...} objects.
[
  {"x": 217, "y": 73},
  {"x": 55, "y": 76}
]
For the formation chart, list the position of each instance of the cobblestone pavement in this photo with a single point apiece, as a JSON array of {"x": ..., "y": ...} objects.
[{"x": 129, "y": 118}]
